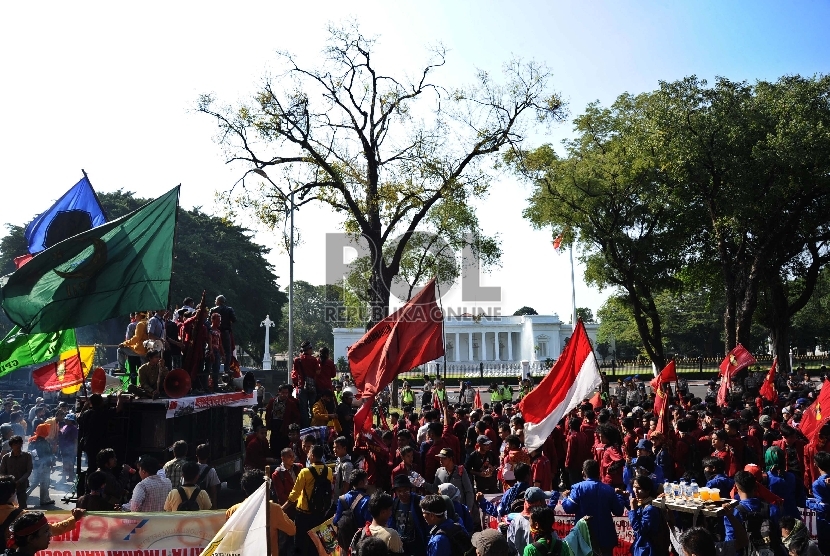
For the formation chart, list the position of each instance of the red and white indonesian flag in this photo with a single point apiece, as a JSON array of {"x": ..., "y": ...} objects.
[{"x": 573, "y": 378}]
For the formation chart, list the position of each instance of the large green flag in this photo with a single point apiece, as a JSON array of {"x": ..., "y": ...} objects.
[
  {"x": 18, "y": 349},
  {"x": 108, "y": 271}
]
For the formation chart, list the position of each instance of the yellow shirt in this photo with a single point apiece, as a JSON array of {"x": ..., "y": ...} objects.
[
  {"x": 305, "y": 484},
  {"x": 173, "y": 499},
  {"x": 136, "y": 343}
]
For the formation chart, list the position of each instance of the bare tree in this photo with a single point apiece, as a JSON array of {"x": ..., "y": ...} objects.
[{"x": 382, "y": 150}]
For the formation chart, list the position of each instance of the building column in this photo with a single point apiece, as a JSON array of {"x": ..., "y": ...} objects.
[
  {"x": 484, "y": 346},
  {"x": 496, "y": 345},
  {"x": 457, "y": 350},
  {"x": 510, "y": 346},
  {"x": 470, "y": 345}
]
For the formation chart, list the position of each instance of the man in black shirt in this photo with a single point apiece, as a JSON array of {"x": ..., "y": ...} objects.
[
  {"x": 225, "y": 328},
  {"x": 483, "y": 466},
  {"x": 173, "y": 351}
]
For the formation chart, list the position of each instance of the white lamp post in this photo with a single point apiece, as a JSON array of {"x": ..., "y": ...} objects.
[{"x": 266, "y": 358}]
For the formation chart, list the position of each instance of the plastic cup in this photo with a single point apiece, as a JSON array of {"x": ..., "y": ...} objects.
[
  {"x": 704, "y": 494},
  {"x": 715, "y": 494}
]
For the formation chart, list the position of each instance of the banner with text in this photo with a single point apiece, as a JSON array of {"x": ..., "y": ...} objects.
[
  {"x": 195, "y": 404},
  {"x": 136, "y": 534}
]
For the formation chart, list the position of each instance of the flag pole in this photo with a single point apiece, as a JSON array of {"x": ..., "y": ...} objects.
[
  {"x": 573, "y": 287},
  {"x": 268, "y": 509},
  {"x": 95, "y": 193}
]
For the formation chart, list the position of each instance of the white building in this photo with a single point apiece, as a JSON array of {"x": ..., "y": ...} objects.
[{"x": 498, "y": 342}]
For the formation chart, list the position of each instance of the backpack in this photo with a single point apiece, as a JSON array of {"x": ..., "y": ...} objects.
[
  {"x": 759, "y": 529},
  {"x": 320, "y": 499},
  {"x": 202, "y": 479},
  {"x": 518, "y": 505},
  {"x": 347, "y": 528},
  {"x": 459, "y": 539},
  {"x": 188, "y": 504},
  {"x": 359, "y": 535},
  {"x": 552, "y": 549}
]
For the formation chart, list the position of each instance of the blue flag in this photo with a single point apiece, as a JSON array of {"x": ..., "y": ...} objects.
[{"x": 74, "y": 213}]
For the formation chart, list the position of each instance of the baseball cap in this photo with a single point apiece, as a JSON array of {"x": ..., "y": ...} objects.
[
  {"x": 644, "y": 444},
  {"x": 802, "y": 401},
  {"x": 483, "y": 440},
  {"x": 445, "y": 453},
  {"x": 490, "y": 542},
  {"x": 535, "y": 494}
]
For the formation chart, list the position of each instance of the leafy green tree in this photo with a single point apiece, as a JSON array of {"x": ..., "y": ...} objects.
[
  {"x": 210, "y": 254},
  {"x": 525, "y": 311},
  {"x": 386, "y": 152},
  {"x": 313, "y": 316},
  {"x": 586, "y": 314}
]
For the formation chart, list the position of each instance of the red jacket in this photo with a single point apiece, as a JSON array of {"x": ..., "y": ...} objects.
[
  {"x": 255, "y": 453},
  {"x": 282, "y": 482},
  {"x": 305, "y": 366},
  {"x": 430, "y": 463},
  {"x": 326, "y": 372},
  {"x": 578, "y": 450},
  {"x": 540, "y": 468},
  {"x": 290, "y": 414}
]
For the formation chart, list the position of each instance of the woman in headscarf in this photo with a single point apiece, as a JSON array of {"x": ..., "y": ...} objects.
[
  {"x": 796, "y": 538},
  {"x": 41, "y": 451},
  {"x": 781, "y": 481}
]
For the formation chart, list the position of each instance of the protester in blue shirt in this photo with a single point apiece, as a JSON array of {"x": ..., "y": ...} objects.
[
  {"x": 446, "y": 538},
  {"x": 358, "y": 481},
  {"x": 820, "y": 503},
  {"x": 641, "y": 466},
  {"x": 713, "y": 470},
  {"x": 650, "y": 532},
  {"x": 516, "y": 492},
  {"x": 591, "y": 497},
  {"x": 781, "y": 481},
  {"x": 753, "y": 512}
]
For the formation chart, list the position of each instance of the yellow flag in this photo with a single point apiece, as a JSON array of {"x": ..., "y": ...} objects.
[{"x": 87, "y": 357}]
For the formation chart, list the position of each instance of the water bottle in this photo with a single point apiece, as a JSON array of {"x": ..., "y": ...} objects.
[
  {"x": 684, "y": 491},
  {"x": 668, "y": 491},
  {"x": 694, "y": 491}
]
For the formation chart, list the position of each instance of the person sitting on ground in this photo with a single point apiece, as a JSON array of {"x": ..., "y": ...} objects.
[
  {"x": 151, "y": 492},
  {"x": 188, "y": 494},
  {"x": 250, "y": 482},
  {"x": 93, "y": 500}
]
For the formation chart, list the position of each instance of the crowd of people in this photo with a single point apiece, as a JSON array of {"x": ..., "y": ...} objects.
[
  {"x": 197, "y": 339},
  {"x": 433, "y": 480}
]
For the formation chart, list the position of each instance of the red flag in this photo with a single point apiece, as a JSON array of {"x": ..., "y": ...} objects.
[
  {"x": 737, "y": 359},
  {"x": 23, "y": 259},
  {"x": 363, "y": 417},
  {"x": 723, "y": 391},
  {"x": 411, "y": 336},
  {"x": 59, "y": 375},
  {"x": 668, "y": 374},
  {"x": 768, "y": 387},
  {"x": 557, "y": 243},
  {"x": 660, "y": 400},
  {"x": 815, "y": 416},
  {"x": 477, "y": 401},
  {"x": 573, "y": 377},
  {"x": 435, "y": 403},
  {"x": 596, "y": 401}
]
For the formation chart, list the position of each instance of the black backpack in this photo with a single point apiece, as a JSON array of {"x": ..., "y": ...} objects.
[
  {"x": 320, "y": 499},
  {"x": 347, "y": 526},
  {"x": 202, "y": 479},
  {"x": 188, "y": 504},
  {"x": 459, "y": 539},
  {"x": 762, "y": 535},
  {"x": 359, "y": 535}
]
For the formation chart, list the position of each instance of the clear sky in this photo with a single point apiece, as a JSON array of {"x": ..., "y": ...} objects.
[{"x": 111, "y": 88}]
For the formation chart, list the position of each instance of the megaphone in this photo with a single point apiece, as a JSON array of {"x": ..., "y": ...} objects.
[
  {"x": 177, "y": 383},
  {"x": 246, "y": 383},
  {"x": 100, "y": 381}
]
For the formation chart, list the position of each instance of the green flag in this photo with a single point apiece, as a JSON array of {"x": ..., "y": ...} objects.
[
  {"x": 18, "y": 349},
  {"x": 108, "y": 271}
]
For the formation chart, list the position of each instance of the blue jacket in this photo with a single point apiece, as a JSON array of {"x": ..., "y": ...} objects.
[
  {"x": 645, "y": 522},
  {"x": 361, "y": 511},
  {"x": 440, "y": 545},
  {"x": 591, "y": 497},
  {"x": 753, "y": 505},
  {"x": 783, "y": 484},
  {"x": 507, "y": 499},
  {"x": 419, "y": 525},
  {"x": 723, "y": 483},
  {"x": 820, "y": 501},
  {"x": 664, "y": 461},
  {"x": 629, "y": 473}
]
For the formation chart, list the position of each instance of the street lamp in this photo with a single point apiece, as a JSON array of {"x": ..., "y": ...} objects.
[{"x": 290, "y": 199}]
